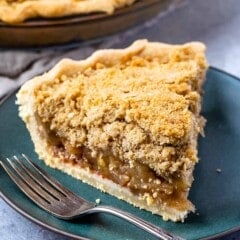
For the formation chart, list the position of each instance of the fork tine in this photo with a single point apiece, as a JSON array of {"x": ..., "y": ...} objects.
[
  {"x": 40, "y": 180},
  {"x": 52, "y": 181},
  {"x": 28, "y": 191},
  {"x": 30, "y": 182}
]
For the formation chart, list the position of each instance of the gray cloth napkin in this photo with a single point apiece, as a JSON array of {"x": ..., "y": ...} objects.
[{"x": 18, "y": 66}]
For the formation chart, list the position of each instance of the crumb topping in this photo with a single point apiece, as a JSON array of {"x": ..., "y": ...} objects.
[{"x": 139, "y": 109}]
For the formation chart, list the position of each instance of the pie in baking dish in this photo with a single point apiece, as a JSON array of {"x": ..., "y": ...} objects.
[
  {"x": 124, "y": 121},
  {"x": 16, "y": 11}
]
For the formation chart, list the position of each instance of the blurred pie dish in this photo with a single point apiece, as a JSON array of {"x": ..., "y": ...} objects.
[
  {"x": 125, "y": 121},
  {"x": 17, "y": 11}
]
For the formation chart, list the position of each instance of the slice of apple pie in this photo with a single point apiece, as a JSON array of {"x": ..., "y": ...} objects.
[{"x": 124, "y": 121}]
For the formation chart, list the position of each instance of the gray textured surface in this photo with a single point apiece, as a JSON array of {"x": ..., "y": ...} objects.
[{"x": 215, "y": 22}]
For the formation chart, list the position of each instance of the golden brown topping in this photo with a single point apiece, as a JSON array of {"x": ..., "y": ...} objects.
[{"x": 137, "y": 109}]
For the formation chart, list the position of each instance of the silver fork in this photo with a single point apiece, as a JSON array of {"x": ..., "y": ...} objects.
[{"x": 53, "y": 197}]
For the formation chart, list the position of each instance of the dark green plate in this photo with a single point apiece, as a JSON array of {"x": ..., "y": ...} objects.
[{"x": 215, "y": 194}]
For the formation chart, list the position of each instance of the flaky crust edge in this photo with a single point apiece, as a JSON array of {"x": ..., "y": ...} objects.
[
  {"x": 25, "y": 100},
  {"x": 50, "y": 9}
]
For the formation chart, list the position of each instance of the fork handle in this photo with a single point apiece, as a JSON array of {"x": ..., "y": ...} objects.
[{"x": 151, "y": 228}]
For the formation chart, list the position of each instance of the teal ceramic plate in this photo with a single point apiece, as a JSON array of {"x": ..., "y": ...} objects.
[{"x": 215, "y": 194}]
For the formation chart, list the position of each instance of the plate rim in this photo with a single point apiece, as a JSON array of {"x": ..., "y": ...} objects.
[
  {"x": 67, "y": 234},
  {"x": 38, "y": 222}
]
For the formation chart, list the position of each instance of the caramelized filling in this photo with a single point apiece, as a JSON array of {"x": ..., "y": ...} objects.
[{"x": 137, "y": 177}]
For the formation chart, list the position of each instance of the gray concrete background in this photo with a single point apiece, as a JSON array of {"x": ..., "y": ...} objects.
[{"x": 215, "y": 22}]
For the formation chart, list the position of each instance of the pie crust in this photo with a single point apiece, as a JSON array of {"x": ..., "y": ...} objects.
[
  {"x": 17, "y": 11},
  {"x": 125, "y": 121}
]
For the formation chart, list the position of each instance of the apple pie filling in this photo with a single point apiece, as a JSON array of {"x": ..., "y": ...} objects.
[{"x": 141, "y": 180}]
